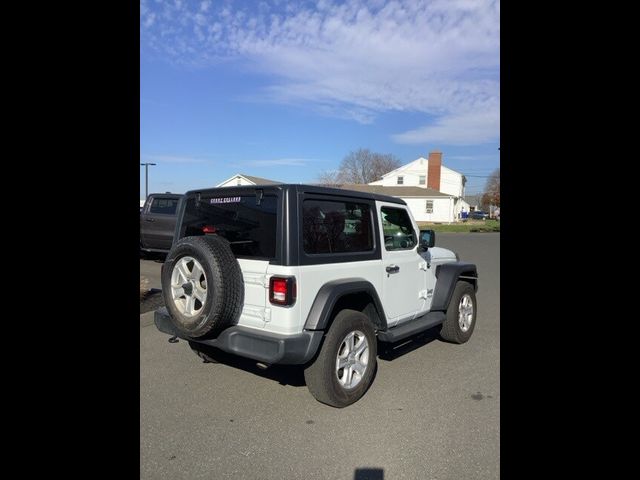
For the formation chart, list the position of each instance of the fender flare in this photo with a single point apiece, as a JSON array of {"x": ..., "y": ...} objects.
[
  {"x": 447, "y": 276},
  {"x": 320, "y": 313}
]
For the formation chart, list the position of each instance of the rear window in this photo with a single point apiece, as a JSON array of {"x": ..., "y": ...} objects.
[
  {"x": 249, "y": 228},
  {"x": 166, "y": 206}
]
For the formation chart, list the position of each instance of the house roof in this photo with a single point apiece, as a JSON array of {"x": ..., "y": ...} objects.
[
  {"x": 260, "y": 181},
  {"x": 395, "y": 191},
  {"x": 252, "y": 179},
  {"x": 473, "y": 199}
]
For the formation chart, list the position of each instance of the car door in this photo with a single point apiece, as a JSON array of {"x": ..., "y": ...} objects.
[
  {"x": 403, "y": 268},
  {"x": 159, "y": 223}
]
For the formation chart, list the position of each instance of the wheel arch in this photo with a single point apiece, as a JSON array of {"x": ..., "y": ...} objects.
[{"x": 349, "y": 293}]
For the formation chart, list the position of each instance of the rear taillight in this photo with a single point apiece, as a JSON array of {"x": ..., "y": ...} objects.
[
  {"x": 282, "y": 290},
  {"x": 208, "y": 229}
]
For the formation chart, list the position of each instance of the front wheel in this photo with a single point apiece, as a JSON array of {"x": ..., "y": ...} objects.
[
  {"x": 344, "y": 369},
  {"x": 461, "y": 314}
]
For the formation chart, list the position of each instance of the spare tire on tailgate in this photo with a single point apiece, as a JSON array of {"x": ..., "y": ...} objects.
[{"x": 202, "y": 285}]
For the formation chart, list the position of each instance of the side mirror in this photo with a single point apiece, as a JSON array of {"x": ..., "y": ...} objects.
[{"x": 427, "y": 239}]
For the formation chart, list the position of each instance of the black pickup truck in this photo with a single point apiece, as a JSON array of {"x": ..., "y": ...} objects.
[{"x": 158, "y": 221}]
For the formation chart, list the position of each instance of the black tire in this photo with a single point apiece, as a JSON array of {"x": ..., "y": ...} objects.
[
  {"x": 203, "y": 351},
  {"x": 451, "y": 329},
  {"x": 321, "y": 376},
  {"x": 223, "y": 282}
]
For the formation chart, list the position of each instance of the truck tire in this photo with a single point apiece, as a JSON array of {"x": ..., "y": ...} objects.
[
  {"x": 344, "y": 368},
  {"x": 461, "y": 314},
  {"x": 202, "y": 285}
]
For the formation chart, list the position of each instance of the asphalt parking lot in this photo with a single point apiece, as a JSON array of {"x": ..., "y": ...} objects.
[{"x": 433, "y": 411}]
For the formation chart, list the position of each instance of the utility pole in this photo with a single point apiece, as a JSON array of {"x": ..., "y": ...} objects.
[{"x": 146, "y": 178}]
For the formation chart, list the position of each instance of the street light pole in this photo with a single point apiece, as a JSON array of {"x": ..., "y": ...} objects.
[{"x": 146, "y": 178}]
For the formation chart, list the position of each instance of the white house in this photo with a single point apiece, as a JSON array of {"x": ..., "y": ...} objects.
[
  {"x": 474, "y": 201},
  {"x": 433, "y": 192},
  {"x": 430, "y": 175},
  {"x": 240, "y": 179},
  {"x": 426, "y": 204}
]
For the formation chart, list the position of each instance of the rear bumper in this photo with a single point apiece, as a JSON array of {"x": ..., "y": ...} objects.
[{"x": 258, "y": 345}]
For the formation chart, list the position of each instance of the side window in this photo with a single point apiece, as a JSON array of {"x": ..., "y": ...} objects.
[
  {"x": 165, "y": 206},
  {"x": 397, "y": 229},
  {"x": 422, "y": 179},
  {"x": 400, "y": 180},
  {"x": 330, "y": 226}
]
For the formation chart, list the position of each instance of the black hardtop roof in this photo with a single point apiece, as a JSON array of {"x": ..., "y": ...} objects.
[
  {"x": 165, "y": 194},
  {"x": 300, "y": 188}
]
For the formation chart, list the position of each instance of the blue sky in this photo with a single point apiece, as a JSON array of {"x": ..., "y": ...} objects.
[{"x": 284, "y": 90}]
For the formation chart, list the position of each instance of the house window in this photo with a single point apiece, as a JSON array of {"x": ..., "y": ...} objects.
[
  {"x": 239, "y": 181},
  {"x": 400, "y": 180},
  {"x": 422, "y": 180},
  {"x": 429, "y": 206}
]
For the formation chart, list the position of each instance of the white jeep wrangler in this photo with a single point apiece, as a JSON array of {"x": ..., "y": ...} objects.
[{"x": 307, "y": 275}]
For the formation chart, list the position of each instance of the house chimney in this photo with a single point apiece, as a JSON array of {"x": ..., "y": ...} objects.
[{"x": 433, "y": 170}]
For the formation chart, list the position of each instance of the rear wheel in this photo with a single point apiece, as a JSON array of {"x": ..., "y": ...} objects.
[{"x": 344, "y": 368}]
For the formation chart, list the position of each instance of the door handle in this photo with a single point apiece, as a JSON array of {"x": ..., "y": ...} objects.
[
  {"x": 150, "y": 219},
  {"x": 393, "y": 269}
]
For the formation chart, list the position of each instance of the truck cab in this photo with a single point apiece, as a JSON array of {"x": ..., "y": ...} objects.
[{"x": 157, "y": 221}]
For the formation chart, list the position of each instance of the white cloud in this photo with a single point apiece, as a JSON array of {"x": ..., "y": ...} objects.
[
  {"x": 352, "y": 59},
  {"x": 463, "y": 129}
]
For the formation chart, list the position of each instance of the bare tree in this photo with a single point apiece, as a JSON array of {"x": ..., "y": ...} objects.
[
  {"x": 491, "y": 194},
  {"x": 361, "y": 166},
  {"x": 329, "y": 177}
]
